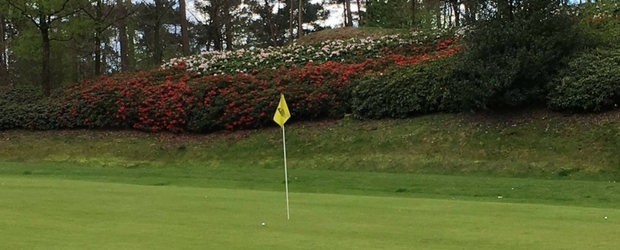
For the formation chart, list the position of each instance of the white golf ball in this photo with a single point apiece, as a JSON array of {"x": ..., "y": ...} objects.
[
  {"x": 605, "y": 217},
  {"x": 264, "y": 222}
]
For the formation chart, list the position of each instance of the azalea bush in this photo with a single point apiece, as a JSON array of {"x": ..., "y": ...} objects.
[
  {"x": 602, "y": 21},
  {"x": 296, "y": 55},
  {"x": 178, "y": 99}
]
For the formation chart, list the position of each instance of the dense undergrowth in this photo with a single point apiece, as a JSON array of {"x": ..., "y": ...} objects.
[{"x": 541, "y": 56}]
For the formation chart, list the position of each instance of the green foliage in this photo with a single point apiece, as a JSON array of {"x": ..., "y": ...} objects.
[
  {"x": 389, "y": 14},
  {"x": 508, "y": 60},
  {"x": 601, "y": 20},
  {"x": 25, "y": 107},
  {"x": 590, "y": 82},
  {"x": 19, "y": 94},
  {"x": 405, "y": 91}
]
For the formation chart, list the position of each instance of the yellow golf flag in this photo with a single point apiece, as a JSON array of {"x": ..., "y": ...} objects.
[{"x": 282, "y": 114}]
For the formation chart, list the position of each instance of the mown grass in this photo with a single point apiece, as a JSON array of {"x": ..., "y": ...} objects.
[
  {"x": 604, "y": 194},
  {"x": 59, "y": 214},
  {"x": 526, "y": 181}
]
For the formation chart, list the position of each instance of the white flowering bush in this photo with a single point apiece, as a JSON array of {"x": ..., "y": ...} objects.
[
  {"x": 599, "y": 10},
  {"x": 602, "y": 21},
  {"x": 350, "y": 50}
]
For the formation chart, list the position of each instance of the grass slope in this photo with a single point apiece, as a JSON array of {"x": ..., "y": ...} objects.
[
  {"x": 538, "y": 144},
  {"x": 347, "y": 33},
  {"x": 60, "y": 214}
]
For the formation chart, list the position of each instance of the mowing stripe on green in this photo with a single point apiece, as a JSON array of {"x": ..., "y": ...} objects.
[{"x": 60, "y": 214}]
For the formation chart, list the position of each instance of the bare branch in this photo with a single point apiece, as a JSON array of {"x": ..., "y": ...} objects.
[
  {"x": 115, "y": 20},
  {"x": 64, "y": 5},
  {"x": 66, "y": 14},
  {"x": 89, "y": 14},
  {"x": 105, "y": 17}
]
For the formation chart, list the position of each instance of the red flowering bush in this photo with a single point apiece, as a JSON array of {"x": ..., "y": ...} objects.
[{"x": 177, "y": 100}]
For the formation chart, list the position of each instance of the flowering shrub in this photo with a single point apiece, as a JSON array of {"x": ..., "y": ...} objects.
[
  {"x": 598, "y": 10},
  {"x": 602, "y": 21},
  {"x": 351, "y": 50},
  {"x": 177, "y": 99}
]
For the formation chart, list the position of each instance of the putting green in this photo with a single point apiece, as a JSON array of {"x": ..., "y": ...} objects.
[{"x": 38, "y": 213}]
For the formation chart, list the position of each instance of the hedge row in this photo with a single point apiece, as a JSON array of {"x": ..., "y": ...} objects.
[
  {"x": 589, "y": 82},
  {"x": 405, "y": 91},
  {"x": 176, "y": 100}
]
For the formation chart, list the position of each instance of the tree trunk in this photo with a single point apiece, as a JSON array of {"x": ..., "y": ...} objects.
[
  {"x": 75, "y": 63},
  {"x": 157, "y": 47},
  {"x": 413, "y": 12},
  {"x": 291, "y": 15},
  {"x": 3, "y": 63},
  {"x": 457, "y": 12},
  {"x": 359, "y": 13},
  {"x": 440, "y": 21},
  {"x": 270, "y": 21},
  {"x": 349, "y": 12},
  {"x": 98, "y": 32},
  {"x": 229, "y": 37},
  {"x": 300, "y": 23},
  {"x": 184, "y": 31},
  {"x": 131, "y": 51},
  {"x": 157, "y": 50},
  {"x": 45, "y": 60},
  {"x": 215, "y": 27},
  {"x": 105, "y": 65},
  {"x": 97, "y": 53},
  {"x": 122, "y": 33},
  {"x": 344, "y": 14},
  {"x": 471, "y": 10}
]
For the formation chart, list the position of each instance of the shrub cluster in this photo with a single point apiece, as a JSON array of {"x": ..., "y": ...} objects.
[
  {"x": 297, "y": 55},
  {"x": 405, "y": 91},
  {"x": 508, "y": 60},
  {"x": 590, "y": 82},
  {"x": 177, "y": 99}
]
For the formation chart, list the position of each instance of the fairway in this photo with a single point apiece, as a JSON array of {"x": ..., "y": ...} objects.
[{"x": 43, "y": 213}]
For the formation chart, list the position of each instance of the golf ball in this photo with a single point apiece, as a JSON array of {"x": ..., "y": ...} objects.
[
  {"x": 605, "y": 218},
  {"x": 264, "y": 222}
]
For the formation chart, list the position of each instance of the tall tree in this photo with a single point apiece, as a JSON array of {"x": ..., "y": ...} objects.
[
  {"x": 349, "y": 13},
  {"x": 122, "y": 34},
  {"x": 291, "y": 18},
  {"x": 44, "y": 14},
  {"x": 152, "y": 19},
  {"x": 359, "y": 13},
  {"x": 184, "y": 31},
  {"x": 223, "y": 19},
  {"x": 4, "y": 72},
  {"x": 105, "y": 14},
  {"x": 414, "y": 8},
  {"x": 130, "y": 23},
  {"x": 300, "y": 22}
]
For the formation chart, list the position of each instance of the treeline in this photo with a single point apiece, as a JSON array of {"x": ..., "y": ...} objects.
[{"x": 54, "y": 43}]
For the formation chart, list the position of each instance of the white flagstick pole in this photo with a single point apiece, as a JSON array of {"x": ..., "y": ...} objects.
[{"x": 285, "y": 172}]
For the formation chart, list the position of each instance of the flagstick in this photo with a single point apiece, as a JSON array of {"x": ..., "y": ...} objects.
[{"x": 285, "y": 172}]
